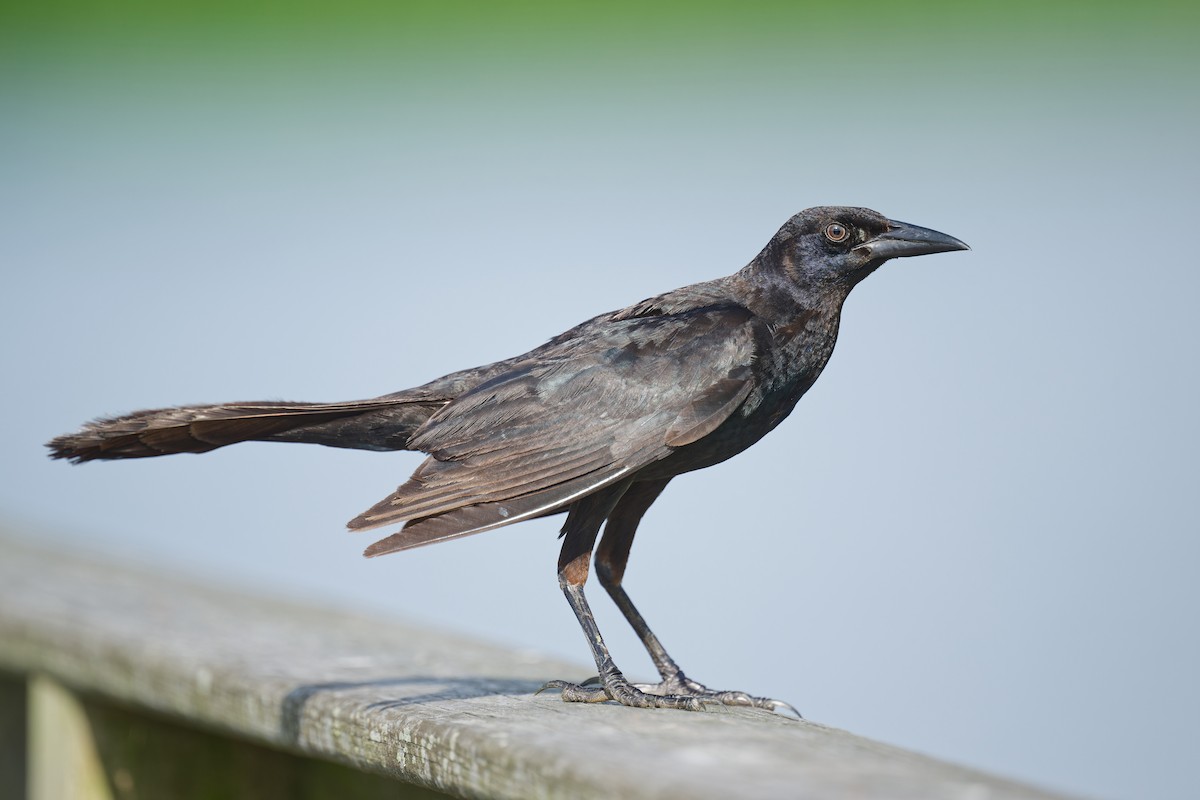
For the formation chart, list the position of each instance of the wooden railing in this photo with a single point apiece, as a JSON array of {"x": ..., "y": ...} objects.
[{"x": 119, "y": 683}]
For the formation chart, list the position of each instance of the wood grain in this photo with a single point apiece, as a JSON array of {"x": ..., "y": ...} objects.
[{"x": 416, "y": 704}]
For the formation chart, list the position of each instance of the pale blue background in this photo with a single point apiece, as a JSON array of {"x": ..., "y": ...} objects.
[{"x": 976, "y": 536}]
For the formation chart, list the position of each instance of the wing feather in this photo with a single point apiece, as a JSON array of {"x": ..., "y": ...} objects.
[
  {"x": 415, "y": 499},
  {"x": 570, "y": 418},
  {"x": 706, "y": 413},
  {"x": 482, "y": 517}
]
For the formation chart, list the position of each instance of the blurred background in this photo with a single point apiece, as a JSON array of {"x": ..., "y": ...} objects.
[{"x": 976, "y": 536}]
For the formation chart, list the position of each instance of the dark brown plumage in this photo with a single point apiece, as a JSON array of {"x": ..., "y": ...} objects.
[{"x": 595, "y": 422}]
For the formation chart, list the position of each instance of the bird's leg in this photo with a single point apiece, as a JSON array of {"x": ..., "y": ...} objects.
[
  {"x": 611, "y": 558},
  {"x": 582, "y": 525}
]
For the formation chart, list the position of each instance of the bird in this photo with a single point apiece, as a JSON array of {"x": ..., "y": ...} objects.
[{"x": 594, "y": 423}]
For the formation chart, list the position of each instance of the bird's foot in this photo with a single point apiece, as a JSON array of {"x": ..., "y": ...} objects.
[
  {"x": 680, "y": 685},
  {"x": 614, "y": 686}
]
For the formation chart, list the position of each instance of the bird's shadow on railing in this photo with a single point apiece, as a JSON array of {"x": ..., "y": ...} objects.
[{"x": 441, "y": 688}]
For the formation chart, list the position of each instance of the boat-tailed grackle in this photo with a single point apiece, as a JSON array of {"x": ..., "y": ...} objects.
[{"x": 595, "y": 422}]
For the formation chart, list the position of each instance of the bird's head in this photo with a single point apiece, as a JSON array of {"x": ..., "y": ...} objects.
[{"x": 838, "y": 246}]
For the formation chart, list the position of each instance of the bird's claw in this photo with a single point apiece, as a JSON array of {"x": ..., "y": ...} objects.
[
  {"x": 617, "y": 688},
  {"x": 676, "y": 691},
  {"x": 576, "y": 692},
  {"x": 780, "y": 707},
  {"x": 681, "y": 685}
]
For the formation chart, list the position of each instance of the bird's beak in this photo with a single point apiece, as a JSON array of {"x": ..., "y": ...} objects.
[{"x": 902, "y": 239}]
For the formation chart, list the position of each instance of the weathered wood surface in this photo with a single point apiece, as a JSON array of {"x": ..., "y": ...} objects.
[
  {"x": 83, "y": 747},
  {"x": 430, "y": 708}
]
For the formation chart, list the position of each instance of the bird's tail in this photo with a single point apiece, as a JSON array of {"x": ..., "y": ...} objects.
[{"x": 384, "y": 423}]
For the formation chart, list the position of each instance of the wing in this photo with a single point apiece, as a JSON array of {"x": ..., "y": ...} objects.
[{"x": 577, "y": 415}]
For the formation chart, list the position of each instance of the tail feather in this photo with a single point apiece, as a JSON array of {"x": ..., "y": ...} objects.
[{"x": 198, "y": 429}]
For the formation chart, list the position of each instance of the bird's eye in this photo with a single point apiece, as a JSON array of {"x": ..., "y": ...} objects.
[{"x": 836, "y": 232}]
